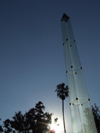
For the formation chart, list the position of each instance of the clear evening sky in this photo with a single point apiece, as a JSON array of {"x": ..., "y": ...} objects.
[{"x": 32, "y": 57}]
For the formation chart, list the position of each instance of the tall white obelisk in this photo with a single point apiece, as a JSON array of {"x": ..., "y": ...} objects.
[{"x": 81, "y": 113}]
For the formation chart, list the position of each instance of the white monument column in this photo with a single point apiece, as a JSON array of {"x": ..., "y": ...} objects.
[{"x": 81, "y": 113}]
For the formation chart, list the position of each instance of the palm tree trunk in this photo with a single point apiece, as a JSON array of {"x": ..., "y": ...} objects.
[{"x": 63, "y": 115}]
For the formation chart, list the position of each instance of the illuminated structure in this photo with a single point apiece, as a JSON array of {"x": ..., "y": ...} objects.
[{"x": 81, "y": 113}]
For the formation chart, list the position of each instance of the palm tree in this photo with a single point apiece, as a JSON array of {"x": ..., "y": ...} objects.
[{"x": 62, "y": 93}]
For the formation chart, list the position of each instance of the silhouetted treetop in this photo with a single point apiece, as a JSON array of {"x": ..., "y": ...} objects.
[
  {"x": 62, "y": 91},
  {"x": 33, "y": 121}
]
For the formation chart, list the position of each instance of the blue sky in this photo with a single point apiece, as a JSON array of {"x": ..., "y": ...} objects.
[{"x": 32, "y": 57}]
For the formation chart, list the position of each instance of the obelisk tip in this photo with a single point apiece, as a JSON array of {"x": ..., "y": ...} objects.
[{"x": 65, "y": 18}]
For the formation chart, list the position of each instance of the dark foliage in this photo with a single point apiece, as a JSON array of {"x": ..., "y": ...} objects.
[
  {"x": 33, "y": 121},
  {"x": 96, "y": 114},
  {"x": 62, "y": 91},
  {"x": 1, "y": 129}
]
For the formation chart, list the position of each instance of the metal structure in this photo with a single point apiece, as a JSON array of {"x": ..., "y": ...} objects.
[{"x": 81, "y": 113}]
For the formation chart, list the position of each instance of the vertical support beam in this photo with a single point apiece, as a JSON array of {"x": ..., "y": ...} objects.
[{"x": 81, "y": 112}]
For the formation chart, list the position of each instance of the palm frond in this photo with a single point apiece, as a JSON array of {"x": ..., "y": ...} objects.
[{"x": 62, "y": 91}]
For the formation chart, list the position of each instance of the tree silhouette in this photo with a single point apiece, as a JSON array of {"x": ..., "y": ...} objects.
[
  {"x": 96, "y": 114},
  {"x": 7, "y": 126},
  {"x": 1, "y": 129},
  {"x": 33, "y": 121},
  {"x": 62, "y": 93}
]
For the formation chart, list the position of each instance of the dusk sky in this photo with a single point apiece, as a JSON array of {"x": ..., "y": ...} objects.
[{"x": 32, "y": 57}]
